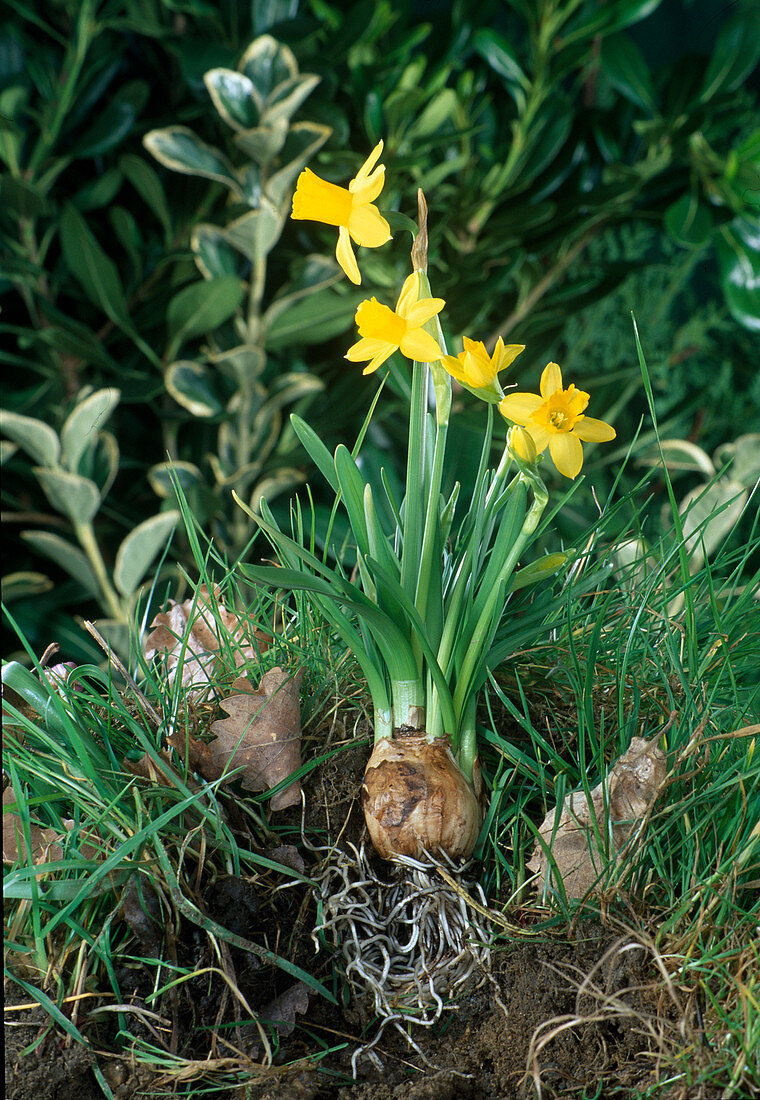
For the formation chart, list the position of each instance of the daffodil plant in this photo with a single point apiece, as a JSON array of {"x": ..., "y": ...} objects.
[{"x": 433, "y": 584}]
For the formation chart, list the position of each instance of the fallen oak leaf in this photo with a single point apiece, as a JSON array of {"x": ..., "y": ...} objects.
[
  {"x": 628, "y": 793},
  {"x": 194, "y": 637},
  {"x": 281, "y": 1013},
  {"x": 262, "y": 735},
  {"x": 45, "y": 846}
]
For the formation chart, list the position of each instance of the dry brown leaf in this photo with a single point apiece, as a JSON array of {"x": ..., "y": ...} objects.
[
  {"x": 196, "y": 633},
  {"x": 629, "y": 791},
  {"x": 281, "y": 1013},
  {"x": 44, "y": 842},
  {"x": 262, "y": 734}
]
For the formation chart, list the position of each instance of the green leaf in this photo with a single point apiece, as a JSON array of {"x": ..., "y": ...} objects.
[
  {"x": 624, "y": 66},
  {"x": 114, "y": 121},
  {"x": 135, "y": 555},
  {"x": 191, "y": 385},
  {"x": 315, "y": 319},
  {"x": 70, "y": 558},
  {"x": 84, "y": 423},
  {"x": 202, "y": 307},
  {"x": 22, "y": 198},
  {"x": 316, "y": 450},
  {"x": 71, "y": 495},
  {"x": 146, "y": 182},
  {"x": 709, "y": 516},
  {"x": 689, "y": 222},
  {"x": 744, "y": 455},
  {"x": 88, "y": 263},
  {"x": 302, "y": 142},
  {"x": 268, "y": 63},
  {"x": 38, "y": 439},
  {"x": 501, "y": 55},
  {"x": 288, "y": 97},
  {"x": 235, "y": 98},
  {"x": 264, "y": 143},
  {"x": 734, "y": 55},
  {"x": 268, "y": 13},
  {"x": 180, "y": 149},
  {"x": 213, "y": 255},
  {"x": 255, "y": 233},
  {"x": 164, "y": 475},
  {"x": 352, "y": 488},
  {"x": 21, "y": 585},
  {"x": 739, "y": 265}
]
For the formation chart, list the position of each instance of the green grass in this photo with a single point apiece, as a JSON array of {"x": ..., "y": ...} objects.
[{"x": 651, "y": 650}]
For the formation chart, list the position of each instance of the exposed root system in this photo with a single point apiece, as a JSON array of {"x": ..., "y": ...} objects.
[{"x": 411, "y": 944}]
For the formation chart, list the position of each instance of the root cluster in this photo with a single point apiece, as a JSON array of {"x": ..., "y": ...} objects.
[{"x": 410, "y": 943}]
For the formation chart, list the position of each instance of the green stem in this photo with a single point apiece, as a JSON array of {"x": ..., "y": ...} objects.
[
  {"x": 86, "y": 536},
  {"x": 415, "y": 481}
]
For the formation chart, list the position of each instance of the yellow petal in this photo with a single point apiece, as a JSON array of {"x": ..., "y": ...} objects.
[
  {"x": 504, "y": 355},
  {"x": 523, "y": 444},
  {"x": 551, "y": 379},
  {"x": 420, "y": 312},
  {"x": 368, "y": 227},
  {"x": 378, "y": 360},
  {"x": 519, "y": 407},
  {"x": 591, "y": 430},
  {"x": 368, "y": 190},
  {"x": 540, "y": 436},
  {"x": 317, "y": 200},
  {"x": 367, "y": 349},
  {"x": 420, "y": 345},
  {"x": 567, "y": 453},
  {"x": 454, "y": 367},
  {"x": 410, "y": 292},
  {"x": 379, "y": 322},
  {"x": 361, "y": 176},
  {"x": 344, "y": 254}
]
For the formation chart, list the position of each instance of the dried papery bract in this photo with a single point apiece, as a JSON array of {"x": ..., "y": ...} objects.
[
  {"x": 417, "y": 801},
  {"x": 615, "y": 807}
]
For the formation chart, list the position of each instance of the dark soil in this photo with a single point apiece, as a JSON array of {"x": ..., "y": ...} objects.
[{"x": 481, "y": 1051}]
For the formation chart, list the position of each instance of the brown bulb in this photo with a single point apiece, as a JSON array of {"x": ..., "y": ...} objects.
[{"x": 416, "y": 799}]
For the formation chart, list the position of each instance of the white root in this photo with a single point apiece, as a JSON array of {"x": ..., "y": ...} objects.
[{"x": 410, "y": 943}]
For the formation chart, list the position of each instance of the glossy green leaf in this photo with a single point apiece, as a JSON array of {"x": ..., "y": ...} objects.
[
  {"x": 146, "y": 182},
  {"x": 622, "y": 62},
  {"x": 498, "y": 52},
  {"x": 88, "y": 263},
  {"x": 164, "y": 475},
  {"x": 180, "y": 149},
  {"x": 23, "y": 584},
  {"x": 22, "y": 198},
  {"x": 268, "y": 13},
  {"x": 235, "y": 98},
  {"x": 255, "y": 233},
  {"x": 734, "y": 55},
  {"x": 83, "y": 424},
  {"x": 99, "y": 191},
  {"x": 739, "y": 264},
  {"x": 71, "y": 495},
  {"x": 288, "y": 97},
  {"x": 213, "y": 254},
  {"x": 316, "y": 451},
  {"x": 689, "y": 222},
  {"x": 303, "y": 141},
  {"x": 268, "y": 63},
  {"x": 313, "y": 320},
  {"x": 69, "y": 557},
  {"x": 138, "y": 550},
  {"x": 191, "y": 385},
  {"x": 114, "y": 122},
  {"x": 35, "y": 437},
  {"x": 264, "y": 143},
  {"x": 202, "y": 307}
]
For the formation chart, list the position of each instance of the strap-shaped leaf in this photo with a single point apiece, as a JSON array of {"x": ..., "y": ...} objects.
[
  {"x": 136, "y": 553},
  {"x": 92, "y": 268},
  {"x": 316, "y": 451},
  {"x": 352, "y": 487}
]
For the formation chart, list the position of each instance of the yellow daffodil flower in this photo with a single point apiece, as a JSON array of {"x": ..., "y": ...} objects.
[
  {"x": 352, "y": 209},
  {"x": 556, "y": 419},
  {"x": 385, "y": 330},
  {"x": 521, "y": 444},
  {"x": 478, "y": 371}
]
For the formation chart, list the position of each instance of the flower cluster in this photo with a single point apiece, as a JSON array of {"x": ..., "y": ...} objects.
[{"x": 554, "y": 418}]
